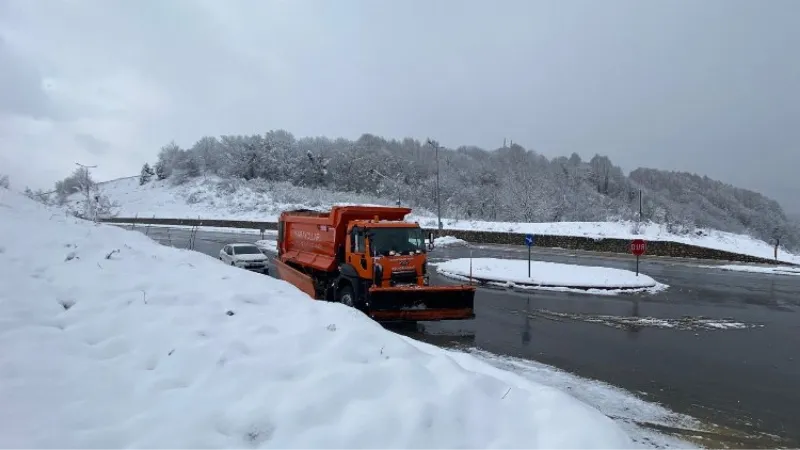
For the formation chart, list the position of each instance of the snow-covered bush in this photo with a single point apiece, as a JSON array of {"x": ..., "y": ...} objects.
[{"x": 146, "y": 174}]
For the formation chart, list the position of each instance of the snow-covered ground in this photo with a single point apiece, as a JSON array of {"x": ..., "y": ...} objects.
[
  {"x": 448, "y": 241},
  {"x": 270, "y": 246},
  {"x": 212, "y": 198},
  {"x": 111, "y": 340},
  {"x": 773, "y": 270},
  {"x": 215, "y": 198},
  {"x": 547, "y": 275}
]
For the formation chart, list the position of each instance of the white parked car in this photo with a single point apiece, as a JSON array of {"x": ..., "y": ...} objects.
[{"x": 246, "y": 256}]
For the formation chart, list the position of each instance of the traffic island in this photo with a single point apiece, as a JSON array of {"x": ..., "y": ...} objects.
[{"x": 513, "y": 274}]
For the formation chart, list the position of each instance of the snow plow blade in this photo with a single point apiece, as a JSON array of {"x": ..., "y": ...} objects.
[
  {"x": 425, "y": 303},
  {"x": 298, "y": 279}
]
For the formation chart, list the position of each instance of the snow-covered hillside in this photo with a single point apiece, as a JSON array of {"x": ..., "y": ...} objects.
[
  {"x": 111, "y": 340},
  {"x": 215, "y": 198}
]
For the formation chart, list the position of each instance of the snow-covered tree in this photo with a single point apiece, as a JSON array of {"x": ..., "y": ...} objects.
[
  {"x": 168, "y": 157},
  {"x": 146, "y": 174},
  {"x": 209, "y": 154},
  {"x": 4, "y": 181},
  {"x": 105, "y": 207},
  {"x": 161, "y": 170},
  {"x": 79, "y": 182},
  {"x": 38, "y": 195}
]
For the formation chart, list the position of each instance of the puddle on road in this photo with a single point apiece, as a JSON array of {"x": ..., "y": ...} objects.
[{"x": 686, "y": 323}]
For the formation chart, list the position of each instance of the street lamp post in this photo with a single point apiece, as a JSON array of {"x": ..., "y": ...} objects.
[
  {"x": 435, "y": 146},
  {"x": 396, "y": 183}
]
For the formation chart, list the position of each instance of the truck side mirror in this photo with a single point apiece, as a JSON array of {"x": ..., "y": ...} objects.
[{"x": 430, "y": 240}]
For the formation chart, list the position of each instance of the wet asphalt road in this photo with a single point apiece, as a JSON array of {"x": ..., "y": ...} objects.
[{"x": 745, "y": 379}]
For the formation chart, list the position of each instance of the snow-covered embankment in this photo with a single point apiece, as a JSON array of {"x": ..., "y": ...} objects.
[{"x": 111, "y": 340}]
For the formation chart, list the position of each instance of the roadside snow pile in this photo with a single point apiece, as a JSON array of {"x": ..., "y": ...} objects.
[
  {"x": 448, "y": 241},
  {"x": 110, "y": 340},
  {"x": 546, "y": 275},
  {"x": 270, "y": 246},
  {"x": 773, "y": 270}
]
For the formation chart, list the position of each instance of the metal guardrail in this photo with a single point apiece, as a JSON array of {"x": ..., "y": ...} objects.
[
  {"x": 256, "y": 225},
  {"x": 607, "y": 245}
]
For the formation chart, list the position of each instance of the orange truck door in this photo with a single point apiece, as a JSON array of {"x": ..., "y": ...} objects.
[{"x": 358, "y": 251}]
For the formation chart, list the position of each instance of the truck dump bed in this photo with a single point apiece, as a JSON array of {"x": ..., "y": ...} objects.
[{"x": 312, "y": 239}]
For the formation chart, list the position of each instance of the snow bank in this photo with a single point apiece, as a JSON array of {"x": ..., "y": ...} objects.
[
  {"x": 773, "y": 270},
  {"x": 514, "y": 272},
  {"x": 270, "y": 246},
  {"x": 110, "y": 340},
  {"x": 448, "y": 241}
]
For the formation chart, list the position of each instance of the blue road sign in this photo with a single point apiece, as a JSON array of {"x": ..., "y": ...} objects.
[{"x": 529, "y": 239}]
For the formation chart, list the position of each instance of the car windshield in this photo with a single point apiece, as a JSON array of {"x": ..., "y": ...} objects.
[
  {"x": 400, "y": 240},
  {"x": 246, "y": 250}
]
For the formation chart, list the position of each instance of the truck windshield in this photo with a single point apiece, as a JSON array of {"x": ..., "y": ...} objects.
[{"x": 400, "y": 240}]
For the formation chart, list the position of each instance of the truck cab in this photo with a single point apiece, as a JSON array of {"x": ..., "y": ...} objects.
[{"x": 388, "y": 253}]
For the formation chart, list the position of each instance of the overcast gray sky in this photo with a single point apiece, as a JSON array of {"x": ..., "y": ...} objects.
[{"x": 710, "y": 86}]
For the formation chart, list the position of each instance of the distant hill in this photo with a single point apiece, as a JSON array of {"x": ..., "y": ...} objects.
[
  {"x": 508, "y": 184},
  {"x": 213, "y": 197},
  {"x": 717, "y": 205}
]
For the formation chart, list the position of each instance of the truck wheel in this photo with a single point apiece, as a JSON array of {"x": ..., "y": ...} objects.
[{"x": 347, "y": 297}]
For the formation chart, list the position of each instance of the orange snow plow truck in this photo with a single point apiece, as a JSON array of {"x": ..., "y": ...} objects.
[{"x": 368, "y": 258}]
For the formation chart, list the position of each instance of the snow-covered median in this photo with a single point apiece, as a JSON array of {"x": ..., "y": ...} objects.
[
  {"x": 111, "y": 340},
  {"x": 547, "y": 275}
]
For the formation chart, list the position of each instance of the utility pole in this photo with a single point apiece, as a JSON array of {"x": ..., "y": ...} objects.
[
  {"x": 435, "y": 145},
  {"x": 640, "y": 205},
  {"x": 87, "y": 189},
  {"x": 396, "y": 183}
]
